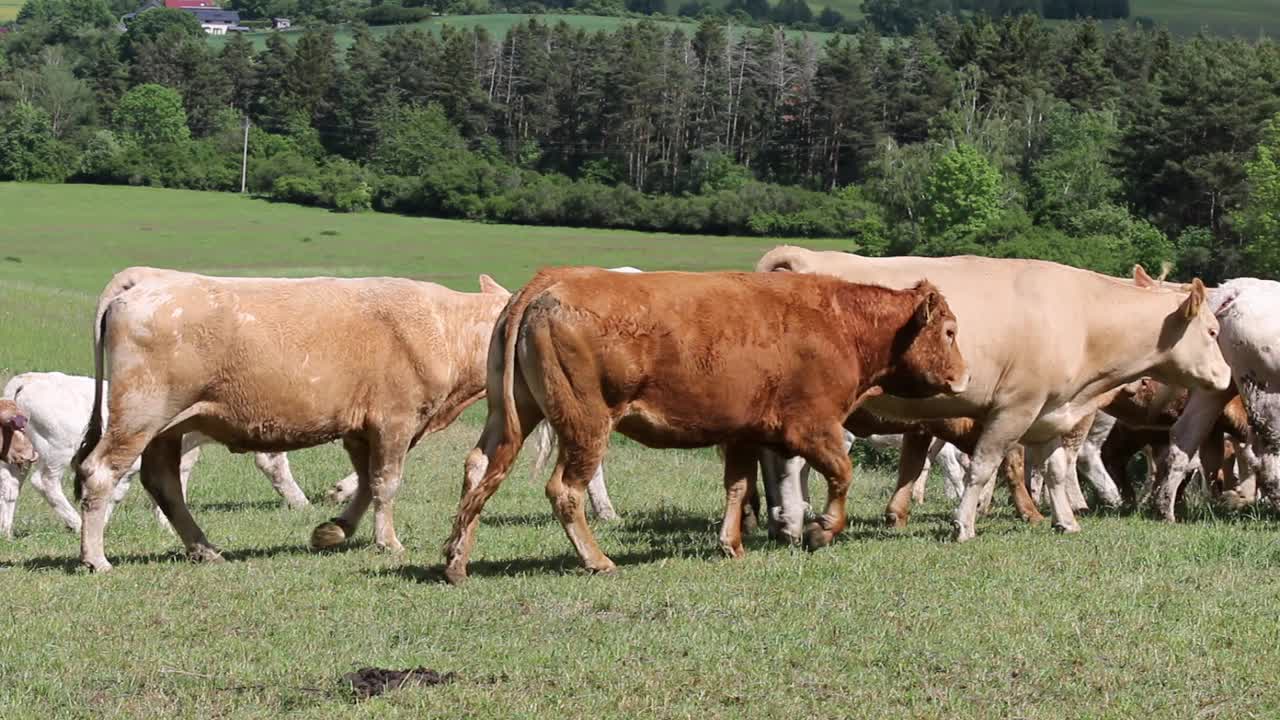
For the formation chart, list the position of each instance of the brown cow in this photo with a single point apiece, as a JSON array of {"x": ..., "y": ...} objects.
[
  {"x": 15, "y": 446},
  {"x": 271, "y": 365},
  {"x": 681, "y": 360}
]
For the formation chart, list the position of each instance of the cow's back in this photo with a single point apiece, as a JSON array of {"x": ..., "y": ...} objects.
[
  {"x": 324, "y": 351},
  {"x": 1022, "y": 324}
]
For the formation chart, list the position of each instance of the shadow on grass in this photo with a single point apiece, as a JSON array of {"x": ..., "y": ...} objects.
[
  {"x": 560, "y": 565},
  {"x": 237, "y": 505},
  {"x": 71, "y": 564}
]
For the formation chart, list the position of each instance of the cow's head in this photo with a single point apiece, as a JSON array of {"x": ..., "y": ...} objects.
[
  {"x": 1189, "y": 338},
  {"x": 15, "y": 447},
  {"x": 926, "y": 356}
]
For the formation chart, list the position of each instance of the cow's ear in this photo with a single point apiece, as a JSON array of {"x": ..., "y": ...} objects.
[
  {"x": 927, "y": 308},
  {"x": 491, "y": 286},
  {"x": 1195, "y": 300},
  {"x": 1141, "y": 278}
]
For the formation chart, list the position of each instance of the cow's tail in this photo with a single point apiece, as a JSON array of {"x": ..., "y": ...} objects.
[
  {"x": 782, "y": 258},
  {"x": 514, "y": 318},
  {"x": 123, "y": 281}
]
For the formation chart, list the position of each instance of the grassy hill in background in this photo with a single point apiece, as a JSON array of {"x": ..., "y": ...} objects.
[{"x": 9, "y": 9}]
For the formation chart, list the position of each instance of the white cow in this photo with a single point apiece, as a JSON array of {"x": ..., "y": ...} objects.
[
  {"x": 58, "y": 408},
  {"x": 1248, "y": 312}
]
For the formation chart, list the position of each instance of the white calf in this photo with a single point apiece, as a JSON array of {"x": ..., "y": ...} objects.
[{"x": 58, "y": 408}]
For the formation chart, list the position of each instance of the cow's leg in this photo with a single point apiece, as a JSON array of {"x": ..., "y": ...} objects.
[
  {"x": 998, "y": 435},
  {"x": 1057, "y": 467},
  {"x": 190, "y": 456},
  {"x": 1093, "y": 467},
  {"x": 579, "y": 456},
  {"x": 1071, "y": 443},
  {"x": 486, "y": 467},
  {"x": 922, "y": 482},
  {"x": 1014, "y": 470},
  {"x": 161, "y": 476},
  {"x": 386, "y": 468},
  {"x": 823, "y": 448},
  {"x": 338, "y": 529},
  {"x": 276, "y": 467},
  {"x": 1211, "y": 458},
  {"x": 10, "y": 485},
  {"x": 915, "y": 449},
  {"x": 121, "y": 490},
  {"x": 598, "y": 493},
  {"x": 1188, "y": 433},
  {"x": 109, "y": 461},
  {"x": 784, "y": 482},
  {"x": 954, "y": 467},
  {"x": 739, "y": 474},
  {"x": 47, "y": 480},
  {"x": 1245, "y": 490},
  {"x": 343, "y": 489},
  {"x": 751, "y": 504}
]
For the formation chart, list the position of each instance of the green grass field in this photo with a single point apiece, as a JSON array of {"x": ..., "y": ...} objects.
[
  {"x": 1130, "y": 618},
  {"x": 9, "y": 9}
]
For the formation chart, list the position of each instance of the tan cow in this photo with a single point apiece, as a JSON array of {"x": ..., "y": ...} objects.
[
  {"x": 1047, "y": 345},
  {"x": 681, "y": 360},
  {"x": 271, "y": 365}
]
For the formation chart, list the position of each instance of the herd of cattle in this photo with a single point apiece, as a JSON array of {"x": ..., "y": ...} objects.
[{"x": 1019, "y": 369}]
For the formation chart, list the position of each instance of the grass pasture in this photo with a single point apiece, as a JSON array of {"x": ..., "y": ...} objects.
[
  {"x": 9, "y": 9},
  {"x": 1130, "y": 618}
]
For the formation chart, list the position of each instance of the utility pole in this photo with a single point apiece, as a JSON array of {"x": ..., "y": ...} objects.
[{"x": 244, "y": 160}]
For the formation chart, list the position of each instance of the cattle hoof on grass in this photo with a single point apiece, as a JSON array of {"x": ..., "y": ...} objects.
[
  {"x": 95, "y": 566},
  {"x": 1066, "y": 529},
  {"x": 455, "y": 576},
  {"x": 1033, "y": 518},
  {"x": 206, "y": 555},
  {"x": 394, "y": 548},
  {"x": 732, "y": 552},
  {"x": 327, "y": 535},
  {"x": 816, "y": 536},
  {"x": 960, "y": 533},
  {"x": 894, "y": 520}
]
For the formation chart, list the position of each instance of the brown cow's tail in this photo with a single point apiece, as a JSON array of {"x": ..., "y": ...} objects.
[
  {"x": 515, "y": 316},
  {"x": 783, "y": 257},
  {"x": 123, "y": 281}
]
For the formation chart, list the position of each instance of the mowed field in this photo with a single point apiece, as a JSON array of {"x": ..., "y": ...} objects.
[
  {"x": 9, "y": 9},
  {"x": 1129, "y": 618}
]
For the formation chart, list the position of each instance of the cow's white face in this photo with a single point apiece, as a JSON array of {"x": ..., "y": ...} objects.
[{"x": 1195, "y": 360}]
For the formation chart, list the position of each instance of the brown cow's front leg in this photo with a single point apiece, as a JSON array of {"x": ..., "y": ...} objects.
[
  {"x": 825, "y": 452},
  {"x": 739, "y": 476},
  {"x": 915, "y": 449}
]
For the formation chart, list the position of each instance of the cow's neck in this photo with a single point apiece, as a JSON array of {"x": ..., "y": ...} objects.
[
  {"x": 1125, "y": 341},
  {"x": 866, "y": 319}
]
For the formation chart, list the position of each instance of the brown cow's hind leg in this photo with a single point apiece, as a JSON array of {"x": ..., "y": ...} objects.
[
  {"x": 161, "y": 476},
  {"x": 567, "y": 490},
  {"x": 1015, "y": 472},
  {"x": 486, "y": 466}
]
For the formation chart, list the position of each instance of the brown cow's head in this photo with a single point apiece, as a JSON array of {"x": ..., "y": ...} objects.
[
  {"x": 926, "y": 357},
  {"x": 14, "y": 446}
]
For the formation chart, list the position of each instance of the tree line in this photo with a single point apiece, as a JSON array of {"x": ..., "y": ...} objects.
[{"x": 1006, "y": 136}]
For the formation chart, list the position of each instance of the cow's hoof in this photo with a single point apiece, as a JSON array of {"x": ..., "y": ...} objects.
[
  {"x": 1033, "y": 518},
  {"x": 206, "y": 555},
  {"x": 455, "y": 575},
  {"x": 894, "y": 520},
  {"x": 608, "y": 516},
  {"x": 733, "y": 552},
  {"x": 327, "y": 535},
  {"x": 394, "y": 547},
  {"x": 606, "y": 568},
  {"x": 297, "y": 503},
  {"x": 95, "y": 565},
  {"x": 1066, "y": 529},
  {"x": 816, "y": 536},
  {"x": 960, "y": 533}
]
